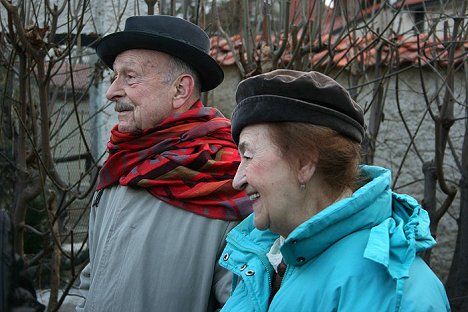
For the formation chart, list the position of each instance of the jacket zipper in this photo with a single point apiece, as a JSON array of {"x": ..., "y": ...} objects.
[{"x": 263, "y": 258}]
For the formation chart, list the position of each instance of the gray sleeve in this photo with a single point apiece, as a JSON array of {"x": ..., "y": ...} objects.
[
  {"x": 85, "y": 275},
  {"x": 222, "y": 282},
  {"x": 85, "y": 279}
]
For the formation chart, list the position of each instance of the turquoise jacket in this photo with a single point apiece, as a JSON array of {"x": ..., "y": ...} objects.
[{"x": 358, "y": 254}]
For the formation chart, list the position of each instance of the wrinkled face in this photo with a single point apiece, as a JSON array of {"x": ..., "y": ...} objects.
[
  {"x": 267, "y": 178},
  {"x": 141, "y": 95}
]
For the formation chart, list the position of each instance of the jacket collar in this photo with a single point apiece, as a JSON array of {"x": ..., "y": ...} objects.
[
  {"x": 398, "y": 226},
  {"x": 367, "y": 207}
]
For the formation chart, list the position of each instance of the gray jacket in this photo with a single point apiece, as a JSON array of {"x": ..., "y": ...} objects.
[{"x": 146, "y": 255}]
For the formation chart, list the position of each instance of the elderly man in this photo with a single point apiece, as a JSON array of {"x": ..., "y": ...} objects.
[{"x": 164, "y": 200}]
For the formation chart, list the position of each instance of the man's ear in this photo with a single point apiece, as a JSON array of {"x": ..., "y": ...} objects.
[{"x": 184, "y": 87}]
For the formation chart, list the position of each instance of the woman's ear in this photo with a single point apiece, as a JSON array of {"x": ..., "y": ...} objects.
[
  {"x": 306, "y": 171},
  {"x": 307, "y": 167},
  {"x": 184, "y": 87}
]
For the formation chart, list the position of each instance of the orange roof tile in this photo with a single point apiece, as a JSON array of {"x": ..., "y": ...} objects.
[{"x": 431, "y": 49}]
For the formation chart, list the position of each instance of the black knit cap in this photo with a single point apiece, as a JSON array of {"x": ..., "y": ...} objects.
[{"x": 289, "y": 95}]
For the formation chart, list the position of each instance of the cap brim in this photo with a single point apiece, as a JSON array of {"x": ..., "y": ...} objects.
[
  {"x": 210, "y": 73},
  {"x": 274, "y": 108}
]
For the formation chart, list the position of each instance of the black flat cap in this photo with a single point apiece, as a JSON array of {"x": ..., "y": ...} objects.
[
  {"x": 289, "y": 95},
  {"x": 172, "y": 35}
]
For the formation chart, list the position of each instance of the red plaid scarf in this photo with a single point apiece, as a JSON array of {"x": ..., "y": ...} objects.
[{"x": 188, "y": 161}]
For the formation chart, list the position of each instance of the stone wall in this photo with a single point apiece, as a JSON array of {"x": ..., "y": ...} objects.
[
  {"x": 223, "y": 97},
  {"x": 393, "y": 148}
]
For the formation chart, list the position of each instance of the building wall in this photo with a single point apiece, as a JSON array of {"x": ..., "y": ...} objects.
[{"x": 223, "y": 97}]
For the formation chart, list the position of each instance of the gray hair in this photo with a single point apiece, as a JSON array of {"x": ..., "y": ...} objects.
[{"x": 177, "y": 67}]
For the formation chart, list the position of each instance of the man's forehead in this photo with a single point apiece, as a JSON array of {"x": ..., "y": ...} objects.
[
  {"x": 142, "y": 53},
  {"x": 140, "y": 57}
]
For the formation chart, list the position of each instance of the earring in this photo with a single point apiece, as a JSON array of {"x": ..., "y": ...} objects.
[{"x": 302, "y": 186}]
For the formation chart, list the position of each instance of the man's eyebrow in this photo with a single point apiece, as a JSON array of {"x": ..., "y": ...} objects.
[
  {"x": 125, "y": 66},
  {"x": 242, "y": 146}
]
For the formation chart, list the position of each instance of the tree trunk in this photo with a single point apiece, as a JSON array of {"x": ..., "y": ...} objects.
[
  {"x": 430, "y": 200},
  {"x": 376, "y": 112},
  {"x": 56, "y": 253},
  {"x": 457, "y": 282}
]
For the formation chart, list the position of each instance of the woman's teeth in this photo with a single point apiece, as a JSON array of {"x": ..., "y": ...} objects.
[{"x": 254, "y": 196}]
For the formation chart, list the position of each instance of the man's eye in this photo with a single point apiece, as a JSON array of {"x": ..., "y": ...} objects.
[
  {"x": 130, "y": 79},
  {"x": 246, "y": 157}
]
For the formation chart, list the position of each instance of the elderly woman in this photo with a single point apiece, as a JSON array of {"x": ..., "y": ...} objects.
[{"x": 326, "y": 234}]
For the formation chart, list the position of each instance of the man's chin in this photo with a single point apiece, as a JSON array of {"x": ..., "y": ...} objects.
[{"x": 125, "y": 128}]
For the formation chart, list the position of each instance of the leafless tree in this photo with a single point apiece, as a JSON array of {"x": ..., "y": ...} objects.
[
  {"x": 413, "y": 78},
  {"x": 41, "y": 109}
]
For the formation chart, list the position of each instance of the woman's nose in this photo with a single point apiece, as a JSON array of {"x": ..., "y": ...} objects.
[{"x": 240, "y": 181}]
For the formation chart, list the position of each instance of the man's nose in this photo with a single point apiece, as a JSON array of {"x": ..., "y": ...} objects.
[{"x": 115, "y": 91}]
